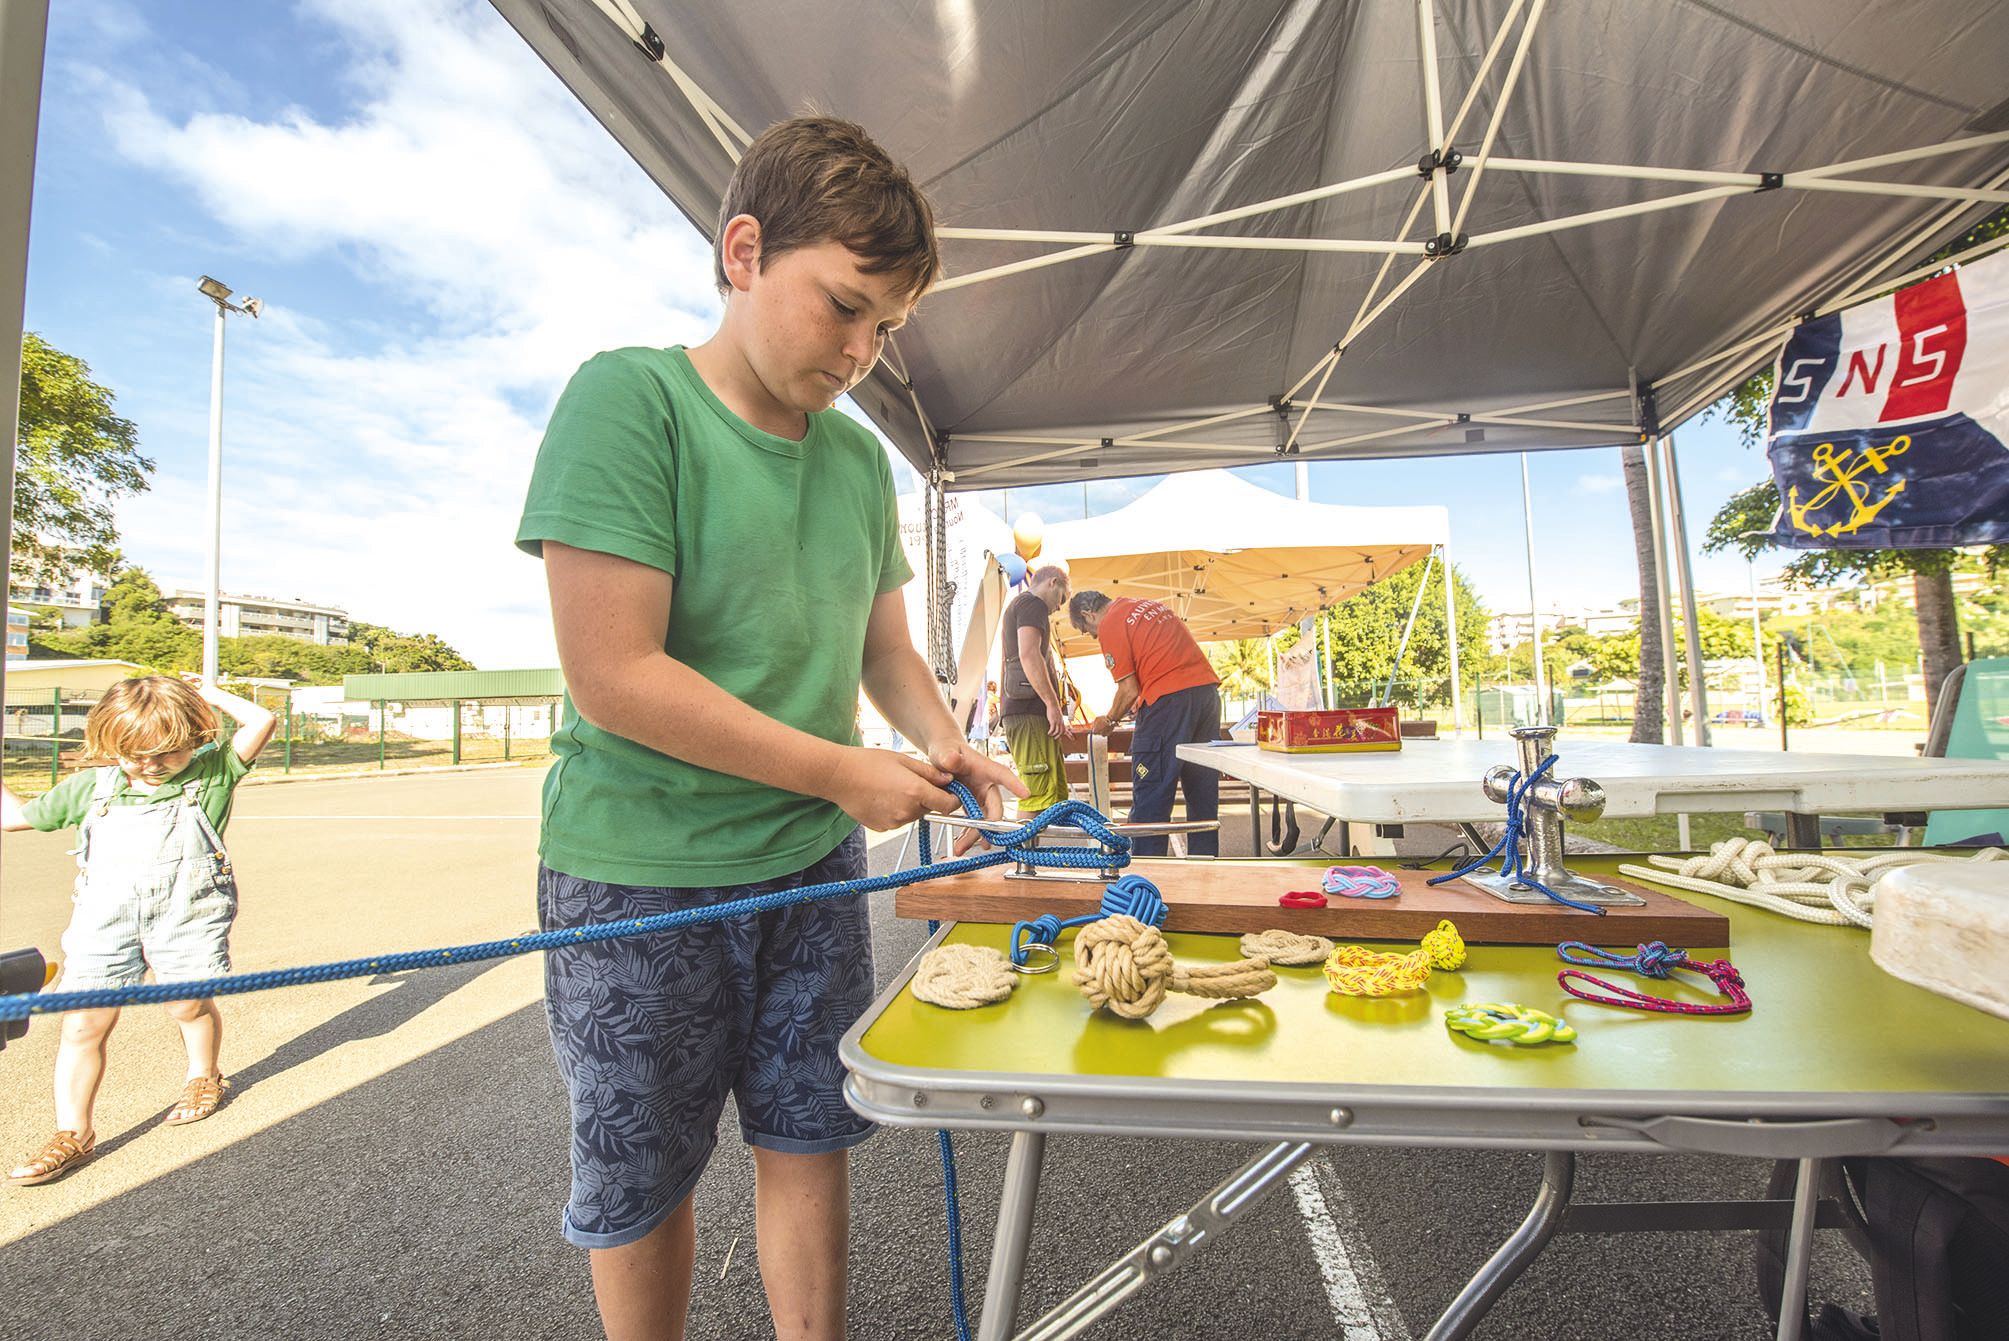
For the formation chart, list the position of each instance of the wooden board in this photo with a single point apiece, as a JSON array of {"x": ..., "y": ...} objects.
[{"x": 1234, "y": 897}]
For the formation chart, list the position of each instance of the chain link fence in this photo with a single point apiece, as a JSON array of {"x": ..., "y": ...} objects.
[{"x": 44, "y": 733}]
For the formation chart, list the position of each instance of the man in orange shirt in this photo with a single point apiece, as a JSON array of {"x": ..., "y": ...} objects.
[{"x": 1156, "y": 663}]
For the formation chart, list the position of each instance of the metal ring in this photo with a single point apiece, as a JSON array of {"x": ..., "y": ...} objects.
[{"x": 1052, "y": 963}]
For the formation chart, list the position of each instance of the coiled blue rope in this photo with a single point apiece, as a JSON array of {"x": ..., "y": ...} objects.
[
  {"x": 1009, "y": 847},
  {"x": 1508, "y": 849}
]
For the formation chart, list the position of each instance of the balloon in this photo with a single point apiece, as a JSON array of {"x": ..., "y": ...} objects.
[
  {"x": 1014, "y": 568},
  {"x": 1026, "y": 534}
]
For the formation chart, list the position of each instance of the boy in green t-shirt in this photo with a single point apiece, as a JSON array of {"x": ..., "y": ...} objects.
[{"x": 724, "y": 563}]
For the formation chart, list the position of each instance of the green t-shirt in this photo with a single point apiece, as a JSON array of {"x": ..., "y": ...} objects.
[
  {"x": 778, "y": 549},
  {"x": 216, "y": 766}
]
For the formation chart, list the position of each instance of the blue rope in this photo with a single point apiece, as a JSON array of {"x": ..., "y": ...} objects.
[
  {"x": 1652, "y": 960},
  {"x": 1127, "y": 896},
  {"x": 1508, "y": 849},
  {"x": 955, "y": 1213},
  {"x": 1010, "y": 848}
]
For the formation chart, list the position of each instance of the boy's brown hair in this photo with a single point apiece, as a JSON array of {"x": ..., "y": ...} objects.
[
  {"x": 814, "y": 179},
  {"x": 150, "y": 714}
]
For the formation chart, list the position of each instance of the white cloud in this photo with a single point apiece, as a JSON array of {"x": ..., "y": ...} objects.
[
  {"x": 1603, "y": 482},
  {"x": 505, "y": 237}
]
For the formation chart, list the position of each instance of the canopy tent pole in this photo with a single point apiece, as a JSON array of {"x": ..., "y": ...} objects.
[
  {"x": 1655, "y": 509},
  {"x": 1451, "y": 636},
  {"x": 1095, "y": 242},
  {"x": 1698, "y": 693},
  {"x": 1708, "y": 396},
  {"x": 24, "y": 29},
  {"x": 1429, "y": 564},
  {"x": 1757, "y": 637},
  {"x": 1499, "y": 114},
  {"x": 1534, "y": 604},
  {"x": 1325, "y": 628},
  {"x": 1433, "y": 110}
]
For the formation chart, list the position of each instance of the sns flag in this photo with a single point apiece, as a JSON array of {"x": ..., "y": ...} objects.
[{"x": 1890, "y": 420}]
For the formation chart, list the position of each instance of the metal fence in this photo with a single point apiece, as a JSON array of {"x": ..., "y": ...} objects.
[{"x": 44, "y": 734}]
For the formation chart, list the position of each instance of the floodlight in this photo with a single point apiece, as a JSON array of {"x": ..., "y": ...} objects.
[
  {"x": 254, "y": 305},
  {"x": 215, "y": 288}
]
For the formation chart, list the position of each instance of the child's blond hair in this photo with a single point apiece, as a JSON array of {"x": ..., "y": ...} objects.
[{"x": 149, "y": 714}]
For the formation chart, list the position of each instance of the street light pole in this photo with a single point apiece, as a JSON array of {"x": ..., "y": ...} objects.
[{"x": 212, "y": 605}]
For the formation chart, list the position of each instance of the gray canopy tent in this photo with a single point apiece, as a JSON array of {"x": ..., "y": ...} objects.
[
  {"x": 1202, "y": 233},
  {"x": 1194, "y": 233}
]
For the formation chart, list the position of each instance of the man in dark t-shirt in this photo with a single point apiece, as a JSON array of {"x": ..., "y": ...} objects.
[{"x": 1035, "y": 720}]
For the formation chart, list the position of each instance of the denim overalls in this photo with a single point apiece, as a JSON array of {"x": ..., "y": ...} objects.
[{"x": 154, "y": 889}]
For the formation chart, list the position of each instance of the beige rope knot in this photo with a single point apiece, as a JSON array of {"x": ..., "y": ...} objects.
[
  {"x": 1285, "y": 947},
  {"x": 963, "y": 976},
  {"x": 1124, "y": 964}
]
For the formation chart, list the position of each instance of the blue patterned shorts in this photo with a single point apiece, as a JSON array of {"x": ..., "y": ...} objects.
[{"x": 652, "y": 1033}]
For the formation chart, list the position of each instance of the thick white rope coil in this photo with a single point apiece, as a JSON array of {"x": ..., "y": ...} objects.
[{"x": 1831, "y": 890}]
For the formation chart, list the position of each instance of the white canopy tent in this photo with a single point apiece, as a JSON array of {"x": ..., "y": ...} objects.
[{"x": 1236, "y": 560}]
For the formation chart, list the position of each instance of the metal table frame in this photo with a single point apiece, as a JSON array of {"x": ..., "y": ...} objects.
[{"x": 1809, "y": 1130}]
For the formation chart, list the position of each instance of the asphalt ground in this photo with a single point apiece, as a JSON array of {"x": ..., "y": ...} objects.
[{"x": 392, "y": 1163}]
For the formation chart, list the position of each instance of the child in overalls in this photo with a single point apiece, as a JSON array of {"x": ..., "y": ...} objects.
[{"x": 154, "y": 885}]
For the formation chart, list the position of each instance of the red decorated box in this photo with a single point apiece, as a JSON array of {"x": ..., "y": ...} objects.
[{"x": 1329, "y": 730}]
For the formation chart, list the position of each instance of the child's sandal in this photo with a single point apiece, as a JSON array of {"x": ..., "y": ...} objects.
[
  {"x": 64, "y": 1152},
  {"x": 199, "y": 1098}
]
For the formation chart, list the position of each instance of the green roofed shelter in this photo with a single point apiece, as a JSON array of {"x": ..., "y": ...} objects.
[{"x": 447, "y": 686}]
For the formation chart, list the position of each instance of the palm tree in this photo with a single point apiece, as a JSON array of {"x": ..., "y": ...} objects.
[
  {"x": 1244, "y": 667},
  {"x": 1648, "y": 713}
]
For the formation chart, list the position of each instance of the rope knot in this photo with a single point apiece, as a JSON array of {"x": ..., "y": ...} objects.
[
  {"x": 1655, "y": 960},
  {"x": 1124, "y": 964},
  {"x": 1445, "y": 946},
  {"x": 1134, "y": 896}
]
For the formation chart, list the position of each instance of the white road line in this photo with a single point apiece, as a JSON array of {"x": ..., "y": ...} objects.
[{"x": 1360, "y": 1305}]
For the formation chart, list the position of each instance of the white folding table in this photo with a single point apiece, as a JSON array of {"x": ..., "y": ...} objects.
[{"x": 1437, "y": 781}]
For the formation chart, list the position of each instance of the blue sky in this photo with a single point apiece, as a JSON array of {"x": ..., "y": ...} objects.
[{"x": 441, "y": 235}]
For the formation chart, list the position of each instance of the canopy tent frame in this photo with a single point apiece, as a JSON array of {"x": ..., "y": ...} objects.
[
  {"x": 1436, "y": 169},
  {"x": 933, "y": 448}
]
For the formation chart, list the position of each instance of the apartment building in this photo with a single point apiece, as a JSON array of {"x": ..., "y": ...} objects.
[{"x": 240, "y": 616}]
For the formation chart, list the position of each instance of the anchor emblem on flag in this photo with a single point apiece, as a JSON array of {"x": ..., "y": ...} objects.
[{"x": 1842, "y": 472}]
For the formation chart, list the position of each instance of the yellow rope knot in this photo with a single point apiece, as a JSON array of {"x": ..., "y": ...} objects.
[
  {"x": 1124, "y": 964},
  {"x": 1355, "y": 970}
]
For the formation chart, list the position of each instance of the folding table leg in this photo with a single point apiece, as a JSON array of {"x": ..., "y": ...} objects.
[
  {"x": 1016, "y": 1205},
  {"x": 1799, "y": 1251},
  {"x": 1181, "y": 1236},
  {"x": 1552, "y": 1198}
]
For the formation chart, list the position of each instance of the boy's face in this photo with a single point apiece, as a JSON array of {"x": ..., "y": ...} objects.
[
  {"x": 150, "y": 770},
  {"x": 816, "y": 322}
]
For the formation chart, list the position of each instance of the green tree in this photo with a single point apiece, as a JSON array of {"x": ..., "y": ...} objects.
[
  {"x": 1745, "y": 522},
  {"x": 74, "y": 459},
  {"x": 1367, "y": 626},
  {"x": 1243, "y": 665}
]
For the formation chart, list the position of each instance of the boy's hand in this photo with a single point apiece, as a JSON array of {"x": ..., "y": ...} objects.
[
  {"x": 884, "y": 790},
  {"x": 1056, "y": 723},
  {"x": 982, "y": 776}
]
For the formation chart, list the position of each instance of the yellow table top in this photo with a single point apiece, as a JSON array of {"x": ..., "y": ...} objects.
[{"x": 1825, "y": 1021}]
